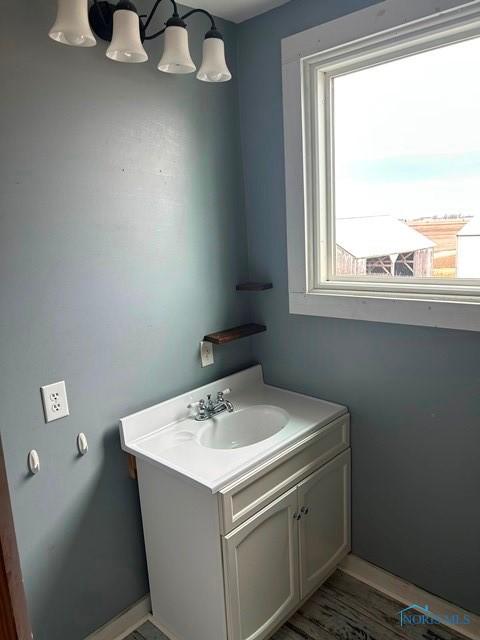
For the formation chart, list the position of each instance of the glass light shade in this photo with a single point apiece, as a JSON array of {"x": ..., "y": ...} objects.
[
  {"x": 126, "y": 44},
  {"x": 176, "y": 55},
  {"x": 214, "y": 67},
  {"x": 71, "y": 26}
]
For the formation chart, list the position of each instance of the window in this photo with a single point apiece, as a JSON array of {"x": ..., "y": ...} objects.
[
  {"x": 406, "y": 166},
  {"x": 382, "y": 149}
]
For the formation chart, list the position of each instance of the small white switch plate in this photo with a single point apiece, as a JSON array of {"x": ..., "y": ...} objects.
[
  {"x": 206, "y": 353},
  {"x": 55, "y": 403}
]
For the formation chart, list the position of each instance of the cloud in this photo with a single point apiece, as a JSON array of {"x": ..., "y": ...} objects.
[{"x": 407, "y": 135}]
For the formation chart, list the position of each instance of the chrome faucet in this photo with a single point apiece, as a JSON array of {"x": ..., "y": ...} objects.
[{"x": 209, "y": 408}]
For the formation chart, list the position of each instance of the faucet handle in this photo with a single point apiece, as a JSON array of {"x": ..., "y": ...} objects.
[
  {"x": 194, "y": 405},
  {"x": 201, "y": 406},
  {"x": 225, "y": 392}
]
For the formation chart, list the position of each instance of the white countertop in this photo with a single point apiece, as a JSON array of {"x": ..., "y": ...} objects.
[{"x": 167, "y": 435}]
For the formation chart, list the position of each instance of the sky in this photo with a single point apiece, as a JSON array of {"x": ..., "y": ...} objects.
[{"x": 407, "y": 136}]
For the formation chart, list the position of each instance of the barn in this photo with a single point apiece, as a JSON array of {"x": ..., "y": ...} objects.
[
  {"x": 468, "y": 250},
  {"x": 382, "y": 245}
]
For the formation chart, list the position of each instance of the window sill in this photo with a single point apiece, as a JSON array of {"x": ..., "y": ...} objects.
[{"x": 421, "y": 312}]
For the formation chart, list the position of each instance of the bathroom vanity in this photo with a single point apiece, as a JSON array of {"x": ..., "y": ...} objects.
[{"x": 244, "y": 514}]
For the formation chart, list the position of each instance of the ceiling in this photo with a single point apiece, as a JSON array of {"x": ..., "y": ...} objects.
[{"x": 235, "y": 10}]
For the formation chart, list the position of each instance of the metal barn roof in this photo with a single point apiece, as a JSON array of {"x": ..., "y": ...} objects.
[
  {"x": 472, "y": 228},
  {"x": 375, "y": 236}
]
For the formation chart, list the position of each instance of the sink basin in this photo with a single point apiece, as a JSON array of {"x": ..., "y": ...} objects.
[
  {"x": 243, "y": 428},
  {"x": 216, "y": 452}
]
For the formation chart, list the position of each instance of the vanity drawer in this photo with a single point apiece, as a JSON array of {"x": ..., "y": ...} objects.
[{"x": 243, "y": 498}]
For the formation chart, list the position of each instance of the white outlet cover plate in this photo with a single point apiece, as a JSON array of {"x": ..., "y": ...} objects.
[
  {"x": 55, "y": 402},
  {"x": 206, "y": 353}
]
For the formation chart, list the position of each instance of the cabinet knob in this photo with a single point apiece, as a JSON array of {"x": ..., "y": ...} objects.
[
  {"x": 305, "y": 510},
  {"x": 297, "y": 516}
]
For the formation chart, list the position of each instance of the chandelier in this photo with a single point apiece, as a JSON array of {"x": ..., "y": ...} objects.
[{"x": 126, "y": 30}]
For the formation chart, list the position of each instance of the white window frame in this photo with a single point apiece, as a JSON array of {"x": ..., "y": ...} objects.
[{"x": 385, "y": 31}]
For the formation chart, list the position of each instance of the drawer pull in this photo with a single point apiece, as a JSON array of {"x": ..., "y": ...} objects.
[
  {"x": 297, "y": 516},
  {"x": 305, "y": 510}
]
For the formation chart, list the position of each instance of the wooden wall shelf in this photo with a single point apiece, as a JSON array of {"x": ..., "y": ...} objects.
[
  {"x": 229, "y": 335},
  {"x": 254, "y": 286}
]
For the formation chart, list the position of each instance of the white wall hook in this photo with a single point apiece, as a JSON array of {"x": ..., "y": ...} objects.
[
  {"x": 82, "y": 444},
  {"x": 33, "y": 462}
]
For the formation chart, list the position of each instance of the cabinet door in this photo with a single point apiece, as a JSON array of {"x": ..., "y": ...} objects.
[
  {"x": 261, "y": 570},
  {"x": 324, "y": 533}
]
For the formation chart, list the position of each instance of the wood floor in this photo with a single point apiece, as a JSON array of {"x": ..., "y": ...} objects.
[{"x": 342, "y": 609}]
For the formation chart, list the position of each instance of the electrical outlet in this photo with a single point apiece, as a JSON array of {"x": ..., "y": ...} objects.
[
  {"x": 55, "y": 403},
  {"x": 206, "y": 353}
]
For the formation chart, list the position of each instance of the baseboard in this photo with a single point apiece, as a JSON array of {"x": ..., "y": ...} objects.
[
  {"x": 379, "y": 579},
  {"x": 408, "y": 594},
  {"x": 125, "y": 623},
  {"x": 161, "y": 627}
]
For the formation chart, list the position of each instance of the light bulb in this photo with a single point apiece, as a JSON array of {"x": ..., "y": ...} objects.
[
  {"x": 176, "y": 55},
  {"x": 71, "y": 26},
  {"x": 214, "y": 67},
  {"x": 126, "y": 44}
]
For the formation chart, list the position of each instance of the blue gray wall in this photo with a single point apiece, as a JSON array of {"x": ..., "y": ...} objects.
[
  {"x": 122, "y": 237},
  {"x": 413, "y": 392}
]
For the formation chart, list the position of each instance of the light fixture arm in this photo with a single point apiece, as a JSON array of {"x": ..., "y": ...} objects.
[
  {"x": 209, "y": 16},
  {"x": 184, "y": 17},
  {"x": 155, "y": 6},
  {"x": 101, "y": 18}
]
